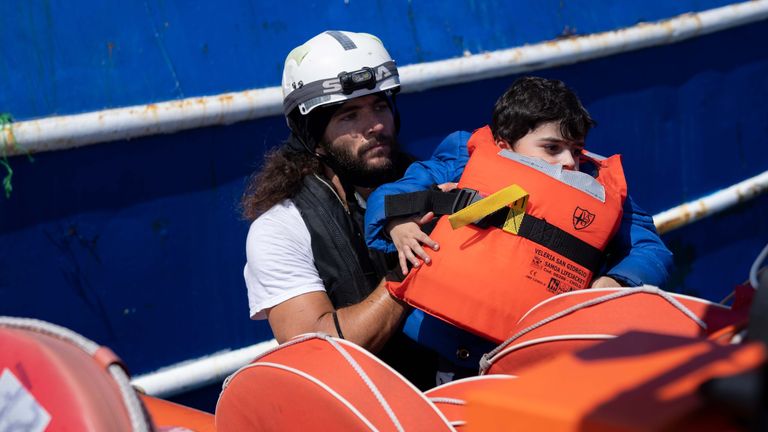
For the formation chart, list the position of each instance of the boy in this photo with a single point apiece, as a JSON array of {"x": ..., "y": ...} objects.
[
  {"x": 535, "y": 120},
  {"x": 526, "y": 116}
]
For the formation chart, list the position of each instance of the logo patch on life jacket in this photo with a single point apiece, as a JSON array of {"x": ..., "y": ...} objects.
[
  {"x": 582, "y": 218},
  {"x": 553, "y": 286}
]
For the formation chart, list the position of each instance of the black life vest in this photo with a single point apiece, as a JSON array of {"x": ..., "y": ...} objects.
[{"x": 350, "y": 272}]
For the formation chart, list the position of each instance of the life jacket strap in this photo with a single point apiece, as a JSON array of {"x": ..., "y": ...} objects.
[
  {"x": 512, "y": 196},
  {"x": 434, "y": 200},
  {"x": 562, "y": 242},
  {"x": 532, "y": 228},
  {"x": 547, "y": 235}
]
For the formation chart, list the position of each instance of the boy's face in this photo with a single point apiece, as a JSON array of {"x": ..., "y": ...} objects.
[{"x": 546, "y": 142}]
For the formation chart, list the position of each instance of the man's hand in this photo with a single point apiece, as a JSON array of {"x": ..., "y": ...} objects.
[
  {"x": 605, "y": 282},
  {"x": 408, "y": 237}
]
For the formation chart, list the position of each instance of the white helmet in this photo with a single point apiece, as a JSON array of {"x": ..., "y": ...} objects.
[{"x": 335, "y": 66}]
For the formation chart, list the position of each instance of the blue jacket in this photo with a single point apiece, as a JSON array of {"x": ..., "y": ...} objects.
[{"x": 636, "y": 254}]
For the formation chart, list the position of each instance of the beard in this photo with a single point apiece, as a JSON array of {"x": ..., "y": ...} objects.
[{"x": 353, "y": 168}]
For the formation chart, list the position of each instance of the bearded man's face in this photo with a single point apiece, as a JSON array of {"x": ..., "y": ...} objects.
[{"x": 360, "y": 138}]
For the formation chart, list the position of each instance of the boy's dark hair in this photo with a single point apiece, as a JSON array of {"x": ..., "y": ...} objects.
[{"x": 532, "y": 101}]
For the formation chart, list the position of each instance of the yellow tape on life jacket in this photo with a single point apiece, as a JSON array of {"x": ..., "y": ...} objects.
[{"x": 513, "y": 196}]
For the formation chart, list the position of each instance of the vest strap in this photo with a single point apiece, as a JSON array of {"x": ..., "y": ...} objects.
[
  {"x": 547, "y": 235},
  {"x": 435, "y": 200},
  {"x": 553, "y": 238},
  {"x": 534, "y": 229},
  {"x": 490, "y": 204}
]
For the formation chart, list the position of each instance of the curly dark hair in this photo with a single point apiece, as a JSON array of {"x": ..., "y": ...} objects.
[
  {"x": 532, "y": 101},
  {"x": 279, "y": 178}
]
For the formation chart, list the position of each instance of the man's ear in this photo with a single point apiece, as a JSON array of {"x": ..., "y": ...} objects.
[{"x": 503, "y": 144}]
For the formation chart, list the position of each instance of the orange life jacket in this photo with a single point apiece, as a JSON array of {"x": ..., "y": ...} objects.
[{"x": 484, "y": 280}]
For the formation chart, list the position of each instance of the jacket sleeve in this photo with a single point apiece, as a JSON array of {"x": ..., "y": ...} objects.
[
  {"x": 636, "y": 254},
  {"x": 445, "y": 165}
]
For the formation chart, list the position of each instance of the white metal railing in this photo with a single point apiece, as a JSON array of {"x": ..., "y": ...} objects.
[
  {"x": 716, "y": 202},
  {"x": 193, "y": 374},
  {"x": 62, "y": 132}
]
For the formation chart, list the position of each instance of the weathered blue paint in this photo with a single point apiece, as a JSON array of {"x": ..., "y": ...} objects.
[
  {"x": 61, "y": 57},
  {"x": 138, "y": 244}
]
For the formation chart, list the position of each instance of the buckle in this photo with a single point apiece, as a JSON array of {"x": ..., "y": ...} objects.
[{"x": 464, "y": 197}]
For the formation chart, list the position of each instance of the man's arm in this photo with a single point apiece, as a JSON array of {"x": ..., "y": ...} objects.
[
  {"x": 369, "y": 323},
  {"x": 284, "y": 286}
]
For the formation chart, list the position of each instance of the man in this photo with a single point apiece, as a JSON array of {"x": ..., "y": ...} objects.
[{"x": 308, "y": 268}]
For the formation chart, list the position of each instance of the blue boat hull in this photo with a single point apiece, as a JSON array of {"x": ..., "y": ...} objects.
[{"x": 139, "y": 244}]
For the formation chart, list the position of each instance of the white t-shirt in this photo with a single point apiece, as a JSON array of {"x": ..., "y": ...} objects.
[{"x": 280, "y": 261}]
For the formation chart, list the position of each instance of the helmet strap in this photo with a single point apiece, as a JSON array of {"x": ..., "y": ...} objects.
[{"x": 391, "y": 97}]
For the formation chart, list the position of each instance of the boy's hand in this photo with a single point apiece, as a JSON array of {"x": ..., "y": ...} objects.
[
  {"x": 408, "y": 237},
  {"x": 447, "y": 187}
]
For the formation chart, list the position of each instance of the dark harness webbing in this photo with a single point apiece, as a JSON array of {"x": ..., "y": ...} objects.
[
  {"x": 532, "y": 228},
  {"x": 442, "y": 203}
]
